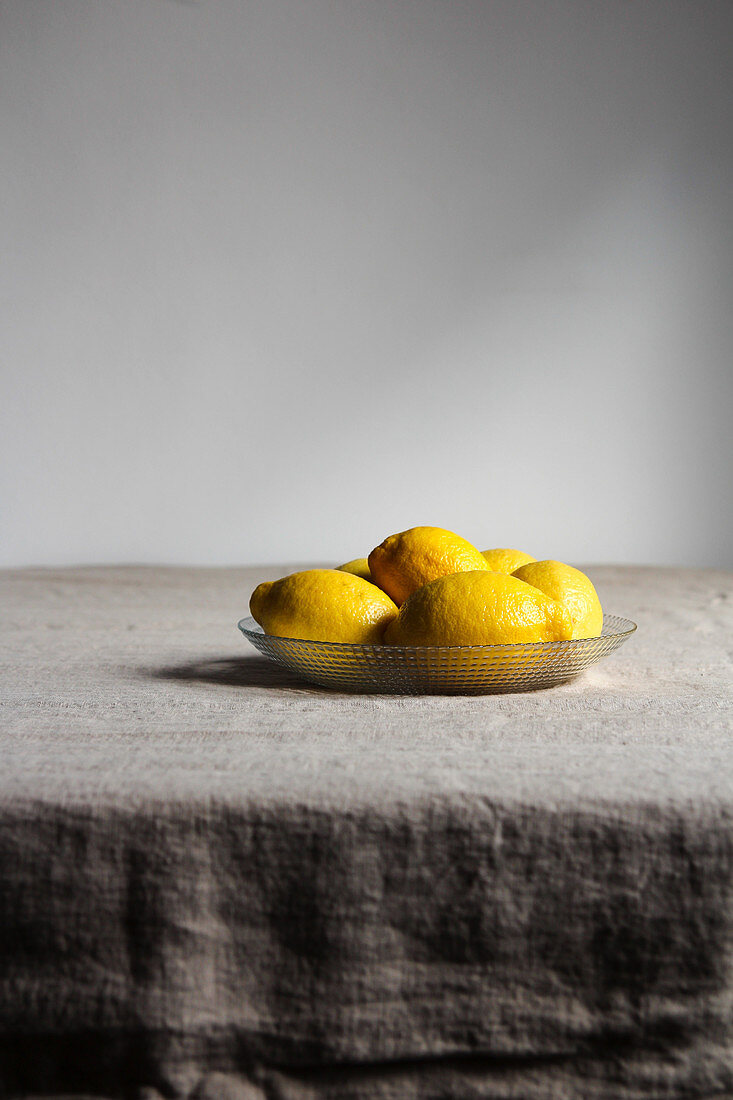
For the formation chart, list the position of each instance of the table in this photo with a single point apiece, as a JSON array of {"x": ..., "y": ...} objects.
[{"x": 219, "y": 882}]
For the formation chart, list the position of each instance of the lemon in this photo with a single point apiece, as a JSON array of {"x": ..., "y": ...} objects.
[
  {"x": 323, "y": 605},
  {"x": 406, "y": 561},
  {"x": 359, "y": 567},
  {"x": 506, "y": 561},
  {"x": 571, "y": 587},
  {"x": 479, "y": 608}
]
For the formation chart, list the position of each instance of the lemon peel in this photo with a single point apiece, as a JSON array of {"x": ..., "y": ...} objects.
[
  {"x": 358, "y": 566},
  {"x": 479, "y": 608},
  {"x": 323, "y": 605},
  {"x": 406, "y": 561},
  {"x": 572, "y": 588},
  {"x": 503, "y": 560}
]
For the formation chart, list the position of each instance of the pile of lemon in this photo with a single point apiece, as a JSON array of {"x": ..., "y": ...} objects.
[{"x": 428, "y": 586}]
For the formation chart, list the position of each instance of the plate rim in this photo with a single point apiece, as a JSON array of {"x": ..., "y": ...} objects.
[{"x": 350, "y": 647}]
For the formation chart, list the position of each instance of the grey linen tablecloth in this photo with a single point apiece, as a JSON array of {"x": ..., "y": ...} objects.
[{"x": 219, "y": 882}]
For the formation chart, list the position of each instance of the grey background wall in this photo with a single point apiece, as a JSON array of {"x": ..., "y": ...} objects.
[{"x": 280, "y": 278}]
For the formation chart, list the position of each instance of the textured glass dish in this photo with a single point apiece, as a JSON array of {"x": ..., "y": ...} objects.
[{"x": 439, "y": 670}]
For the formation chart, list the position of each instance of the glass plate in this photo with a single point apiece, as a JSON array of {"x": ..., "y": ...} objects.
[{"x": 439, "y": 670}]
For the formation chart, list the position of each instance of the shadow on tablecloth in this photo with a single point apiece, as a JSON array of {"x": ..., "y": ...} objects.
[{"x": 234, "y": 672}]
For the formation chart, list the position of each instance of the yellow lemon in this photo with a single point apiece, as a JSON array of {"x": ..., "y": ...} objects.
[
  {"x": 406, "y": 561},
  {"x": 323, "y": 605},
  {"x": 571, "y": 587},
  {"x": 359, "y": 567},
  {"x": 505, "y": 561},
  {"x": 479, "y": 608}
]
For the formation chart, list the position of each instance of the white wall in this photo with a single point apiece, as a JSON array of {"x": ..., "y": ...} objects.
[{"x": 280, "y": 278}]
